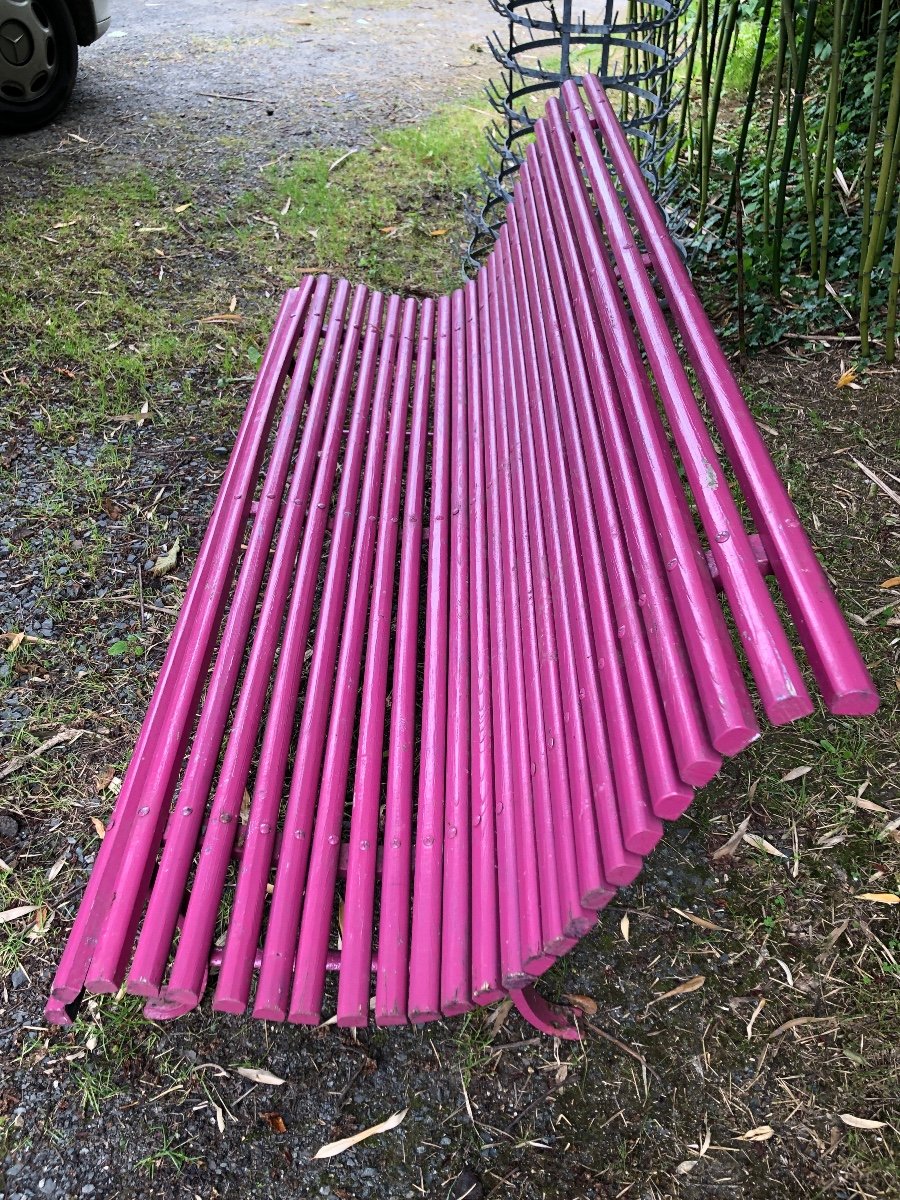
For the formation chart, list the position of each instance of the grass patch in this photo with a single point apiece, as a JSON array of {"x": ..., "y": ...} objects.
[
  {"x": 100, "y": 318},
  {"x": 390, "y": 215}
]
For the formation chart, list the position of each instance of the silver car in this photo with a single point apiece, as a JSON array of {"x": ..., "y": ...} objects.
[{"x": 39, "y": 42}]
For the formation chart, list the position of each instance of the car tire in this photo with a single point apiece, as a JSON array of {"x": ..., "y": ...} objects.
[{"x": 38, "y": 62}]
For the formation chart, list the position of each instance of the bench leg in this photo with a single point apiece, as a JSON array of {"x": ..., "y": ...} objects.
[{"x": 557, "y": 1020}]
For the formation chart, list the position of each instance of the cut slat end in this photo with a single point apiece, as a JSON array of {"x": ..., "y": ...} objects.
[
  {"x": 455, "y": 1008},
  {"x": 488, "y": 995},
  {"x": 736, "y": 739},
  {"x": 142, "y": 987},
  {"x": 861, "y": 703},
  {"x": 418, "y": 1017},
  {"x": 167, "y": 1010},
  {"x": 58, "y": 1013},
  {"x": 790, "y": 708},
  {"x": 673, "y": 804},
  {"x": 393, "y": 1018},
  {"x": 298, "y": 1017},
  {"x": 102, "y": 985},
  {"x": 229, "y": 1004},
  {"x": 269, "y": 1011},
  {"x": 179, "y": 996},
  {"x": 642, "y": 841}
]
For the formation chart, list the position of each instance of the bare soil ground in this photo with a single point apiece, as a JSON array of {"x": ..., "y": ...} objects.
[{"x": 150, "y": 205}]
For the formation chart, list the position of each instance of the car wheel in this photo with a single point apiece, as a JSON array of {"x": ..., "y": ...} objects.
[{"x": 38, "y": 62}]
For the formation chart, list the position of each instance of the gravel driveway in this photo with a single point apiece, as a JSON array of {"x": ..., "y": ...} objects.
[{"x": 312, "y": 73}]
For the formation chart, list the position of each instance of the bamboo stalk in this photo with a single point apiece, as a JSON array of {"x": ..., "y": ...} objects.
[
  {"x": 872, "y": 139},
  {"x": 748, "y": 111},
  {"x": 719, "y": 81},
  {"x": 684, "y": 117},
  {"x": 890, "y": 329},
  {"x": 772, "y": 139},
  {"x": 797, "y": 127},
  {"x": 884, "y": 197},
  {"x": 834, "y": 87},
  {"x": 702, "y": 17}
]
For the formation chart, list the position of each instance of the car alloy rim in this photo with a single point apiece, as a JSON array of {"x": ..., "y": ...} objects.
[{"x": 28, "y": 60}]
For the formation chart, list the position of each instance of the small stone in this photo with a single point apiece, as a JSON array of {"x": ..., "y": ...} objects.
[
  {"x": 468, "y": 1185},
  {"x": 88, "y": 1189},
  {"x": 18, "y": 978},
  {"x": 9, "y": 826}
]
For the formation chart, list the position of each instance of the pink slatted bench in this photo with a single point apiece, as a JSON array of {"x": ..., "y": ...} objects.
[{"x": 458, "y": 629}]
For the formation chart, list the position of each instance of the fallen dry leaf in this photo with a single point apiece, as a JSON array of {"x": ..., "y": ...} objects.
[
  {"x": 585, "y": 1003},
  {"x": 795, "y": 773},
  {"x": 333, "y": 1148},
  {"x": 728, "y": 849},
  {"x": 168, "y": 561},
  {"x": 105, "y": 778},
  {"x": 760, "y": 843},
  {"x": 797, "y": 1021},
  {"x": 56, "y": 868},
  {"x": 15, "y": 642},
  {"x": 879, "y": 897},
  {"x": 275, "y": 1121},
  {"x": 847, "y": 378},
  {"x": 761, "y": 1133},
  {"x": 893, "y": 582},
  {"x": 689, "y": 985},
  {"x": 701, "y": 921},
  {"x": 13, "y": 914},
  {"x": 756, "y": 1012},
  {"x": 688, "y": 1165},
  {"x": 99, "y": 828},
  {"x": 257, "y": 1075},
  {"x": 498, "y": 1016},
  {"x": 437, "y": 232},
  {"x": 861, "y": 1122},
  {"x": 625, "y": 926},
  {"x": 868, "y": 805}
]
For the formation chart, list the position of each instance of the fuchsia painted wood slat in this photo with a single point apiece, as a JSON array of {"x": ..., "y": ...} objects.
[{"x": 458, "y": 629}]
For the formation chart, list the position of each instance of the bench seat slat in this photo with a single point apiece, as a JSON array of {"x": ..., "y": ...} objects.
[
  {"x": 367, "y": 614},
  {"x": 567, "y": 768},
  {"x": 235, "y": 975},
  {"x": 153, "y": 771},
  {"x": 548, "y": 666},
  {"x": 356, "y": 952},
  {"x": 620, "y": 866},
  {"x": 425, "y": 944},
  {"x": 641, "y": 829},
  {"x": 340, "y": 598},
  {"x": 540, "y": 914},
  {"x": 775, "y": 670},
  {"x": 835, "y": 659},
  {"x": 456, "y": 910},
  {"x": 161, "y": 918},
  {"x": 561, "y": 910},
  {"x": 514, "y": 949},
  {"x": 486, "y": 985},
  {"x": 614, "y": 363},
  {"x": 651, "y": 740}
]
